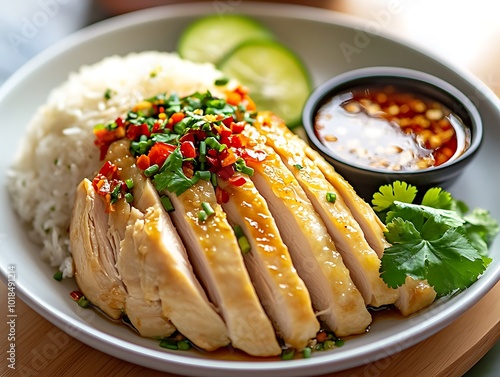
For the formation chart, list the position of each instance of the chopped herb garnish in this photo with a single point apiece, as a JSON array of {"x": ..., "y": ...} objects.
[
  {"x": 287, "y": 354},
  {"x": 130, "y": 183},
  {"x": 176, "y": 342},
  {"x": 183, "y": 345},
  {"x": 172, "y": 177},
  {"x": 238, "y": 232},
  {"x": 244, "y": 244},
  {"x": 306, "y": 353},
  {"x": 58, "y": 276},
  {"x": 178, "y": 141},
  {"x": 152, "y": 170},
  {"x": 83, "y": 302},
  {"x": 221, "y": 81},
  {"x": 108, "y": 94},
  {"x": 331, "y": 197},
  {"x": 167, "y": 204},
  {"x": 202, "y": 216},
  {"x": 207, "y": 208},
  {"x": 298, "y": 166},
  {"x": 170, "y": 344},
  {"x": 204, "y": 174}
]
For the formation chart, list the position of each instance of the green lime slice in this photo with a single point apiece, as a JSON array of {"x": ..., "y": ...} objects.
[
  {"x": 210, "y": 38},
  {"x": 277, "y": 79}
]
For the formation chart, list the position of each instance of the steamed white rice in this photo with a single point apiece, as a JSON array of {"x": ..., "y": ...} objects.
[{"x": 58, "y": 150}]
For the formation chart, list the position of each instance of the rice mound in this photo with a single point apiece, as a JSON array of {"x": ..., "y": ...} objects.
[{"x": 58, "y": 149}]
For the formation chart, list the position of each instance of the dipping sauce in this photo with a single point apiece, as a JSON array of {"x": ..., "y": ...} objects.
[{"x": 390, "y": 128}]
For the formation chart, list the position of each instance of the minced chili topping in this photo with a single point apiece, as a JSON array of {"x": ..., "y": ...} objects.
[{"x": 178, "y": 141}]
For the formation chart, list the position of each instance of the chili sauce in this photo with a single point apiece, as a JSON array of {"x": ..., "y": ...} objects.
[{"x": 386, "y": 127}]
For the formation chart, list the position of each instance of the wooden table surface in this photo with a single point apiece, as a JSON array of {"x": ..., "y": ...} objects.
[{"x": 44, "y": 350}]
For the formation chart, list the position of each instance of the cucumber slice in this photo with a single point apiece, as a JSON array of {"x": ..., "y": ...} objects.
[
  {"x": 277, "y": 79},
  {"x": 210, "y": 38}
]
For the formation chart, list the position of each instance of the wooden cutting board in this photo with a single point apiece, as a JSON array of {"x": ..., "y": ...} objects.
[{"x": 44, "y": 350}]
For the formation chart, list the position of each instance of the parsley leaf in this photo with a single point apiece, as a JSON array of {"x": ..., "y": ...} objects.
[
  {"x": 438, "y": 198},
  {"x": 481, "y": 228},
  {"x": 448, "y": 262},
  {"x": 388, "y": 194},
  {"x": 437, "y": 240},
  {"x": 171, "y": 176}
]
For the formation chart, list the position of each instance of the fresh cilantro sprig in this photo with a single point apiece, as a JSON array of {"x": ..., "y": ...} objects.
[
  {"x": 437, "y": 240},
  {"x": 171, "y": 176}
]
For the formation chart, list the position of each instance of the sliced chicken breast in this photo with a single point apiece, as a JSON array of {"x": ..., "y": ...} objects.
[
  {"x": 145, "y": 315},
  {"x": 165, "y": 273},
  {"x": 339, "y": 303},
  {"x": 281, "y": 290},
  {"x": 369, "y": 222},
  {"x": 358, "y": 256},
  {"x": 94, "y": 252},
  {"x": 216, "y": 257},
  {"x": 413, "y": 295}
]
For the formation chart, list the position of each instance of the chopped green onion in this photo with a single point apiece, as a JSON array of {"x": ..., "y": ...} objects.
[
  {"x": 331, "y": 197},
  {"x": 115, "y": 193},
  {"x": 213, "y": 179},
  {"x": 129, "y": 197},
  {"x": 179, "y": 127},
  {"x": 288, "y": 354},
  {"x": 306, "y": 353},
  {"x": 169, "y": 344},
  {"x": 247, "y": 170},
  {"x": 143, "y": 138},
  {"x": 222, "y": 81},
  {"x": 83, "y": 302},
  {"x": 244, "y": 244},
  {"x": 238, "y": 232},
  {"x": 328, "y": 344},
  {"x": 298, "y": 166},
  {"x": 202, "y": 215},
  {"x": 107, "y": 94},
  {"x": 204, "y": 174},
  {"x": 213, "y": 143},
  {"x": 152, "y": 170},
  {"x": 207, "y": 208},
  {"x": 339, "y": 342},
  {"x": 242, "y": 167},
  {"x": 130, "y": 183},
  {"x": 203, "y": 151},
  {"x": 167, "y": 204},
  {"x": 58, "y": 276},
  {"x": 183, "y": 345}
]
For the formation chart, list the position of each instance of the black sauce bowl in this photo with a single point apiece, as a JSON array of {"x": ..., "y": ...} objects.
[{"x": 365, "y": 180}]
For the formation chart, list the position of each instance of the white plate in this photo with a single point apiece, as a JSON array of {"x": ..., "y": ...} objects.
[{"x": 317, "y": 36}]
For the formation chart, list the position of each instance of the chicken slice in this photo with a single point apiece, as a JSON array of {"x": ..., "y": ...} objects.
[
  {"x": 281, "y": 290},
  {"x": 413, "y": 295},
  {"x": 216, "y": 258},
  {"x": 165, "y": 272},
  {"x": 369, "y": 222},
  {"x": 145, "y": 315},
  {"x": 164, "y": 276},
  {"x": 358, "y": 256},
  {"x": 94, "y": 252},
  {"x": 313, "y": 252}
]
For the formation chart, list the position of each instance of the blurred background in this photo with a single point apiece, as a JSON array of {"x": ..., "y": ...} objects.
[{"x": 465, "y": 33}]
